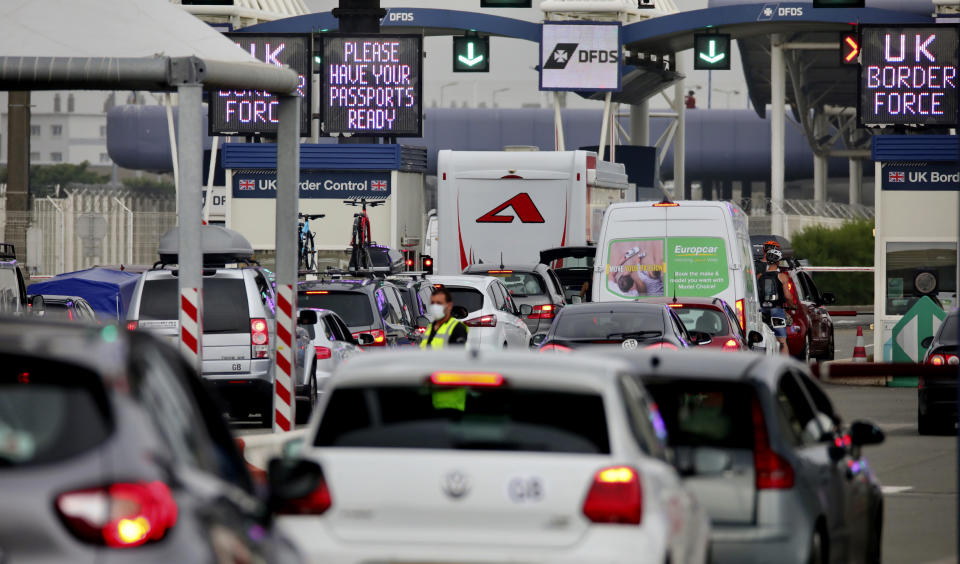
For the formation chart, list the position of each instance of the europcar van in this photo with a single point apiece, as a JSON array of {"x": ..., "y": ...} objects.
[{"x": 686, "y": 249}]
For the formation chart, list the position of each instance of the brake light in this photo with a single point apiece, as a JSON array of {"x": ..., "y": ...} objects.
[
  {"x": 793, "y": 295},
  {"x": 661, "y": 347},
  {"x": 674, "y": 305},
  {"x": 479, "y": 379},
  {"x": 317, "y": 292},
  {"x": 937, "y": 360},
  {"x": 482, "y": 321},
  {"x": 499, "y": 272},
  {"x": 543, "y": 311},
  {"x": 379, "y": 337},
  {"x": 666, "y": 204},
  {"x": 322, "y": 352},
  {"x": 259, "y": 339},
  {"x": 316, "y": 502},
  {"x": 615, "y": 496},
  {"x": 771, "y": 471},
  {"x": 409, "y": 262},
  {"x": 132, "y": 325},
  {"x": 731, "y": 345},
  {"x": 555, "y": 348},
  {"x": 741, "y": 315},
  {"x": 119, "y": 515}
]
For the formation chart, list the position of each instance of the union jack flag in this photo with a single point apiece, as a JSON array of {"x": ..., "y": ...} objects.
[
  {"x": 378, "y": 186},
  {"x": 896, "y": 177},
  {"x": 247, "y": 185}
]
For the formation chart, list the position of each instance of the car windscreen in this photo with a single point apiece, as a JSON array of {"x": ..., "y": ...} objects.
[
  {"x": 57, "y": 311},
  {"x": 706, "y": 320},
  {"x": 519, "y": 284},
  {"x": 608, "y": 325},
  {"x": 469, "y": 298},
  {"x": 225, "y": 308},
  {"x": 49, "y": 411},
  {"x": 710, "y": 414},
  {"x": 353, "y": 307},
  {"x": 467, "y": 418},
  {"x": 948, "y": 334}
]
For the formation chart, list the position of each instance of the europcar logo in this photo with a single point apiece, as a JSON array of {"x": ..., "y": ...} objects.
[
  {"x": 684, "y": 251},
  {"x": 560, "y": 56}
]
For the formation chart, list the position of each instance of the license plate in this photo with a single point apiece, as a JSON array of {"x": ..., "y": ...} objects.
[{"x": 161, "y": 324}]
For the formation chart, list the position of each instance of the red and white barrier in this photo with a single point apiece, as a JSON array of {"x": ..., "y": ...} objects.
[
  {"x": 191, "y": 326},
  {"x": 284, "y": 402}
]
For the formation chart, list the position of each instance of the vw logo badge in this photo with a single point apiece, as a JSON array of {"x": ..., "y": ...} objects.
[
  {"x": 630, "y": 345},
  {"x": 456, "y": 484}
]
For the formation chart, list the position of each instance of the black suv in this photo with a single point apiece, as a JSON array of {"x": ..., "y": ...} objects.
[{"x": 372, "y": 308}]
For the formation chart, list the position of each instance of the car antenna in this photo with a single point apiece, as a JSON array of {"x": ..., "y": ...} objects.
[
  {"x": 674, "y": 295},
  {"x": 501, "y": 260}
]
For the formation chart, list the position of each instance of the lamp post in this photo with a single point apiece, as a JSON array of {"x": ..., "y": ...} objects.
[
  {"x": 494, "y": 96},
  {"x": 444, "y": 87}
]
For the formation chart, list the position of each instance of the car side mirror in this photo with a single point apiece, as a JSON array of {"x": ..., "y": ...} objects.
[
  {"x": 754, "y": 338},
  {"x": 701, "y": 338},
  {"x": 526, "y": 309},
  {"x": 576, "y": 300},
  {"x": 365, "y": 339},
  {"x": 290, "y": 480},
  {"x": 36, "y": 305},
  {"x": 459, "y": 312},
  {"x": 423, "y": 321},
  {"x": 829, "y": 298},
  {"x": 307, "y": 317},
  {"x": 538, "y": 339},
  {"x": 927, "y": 342},
  {"x": 865, "y": 433}
]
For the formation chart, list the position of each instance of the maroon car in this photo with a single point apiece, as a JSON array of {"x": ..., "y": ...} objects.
[{"x": 709, "y": 315}]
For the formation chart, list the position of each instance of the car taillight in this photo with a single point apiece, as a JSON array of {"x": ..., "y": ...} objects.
[
  {"x": 943, "y": 359},
  {"x": 543, "y": 311},
  {"x": 555, "y": 348},
  {"x": 615, "y": 497},
  {"x": 661, "y": 347},
  {"x": 771, "y": 471},
  {"x": 731, "y": 345},
  {"x": 379, "y": 337},
  {"x": 119, "y": 515},
  {"x": 482, "y": 321},
  {"x": 315, "y": 503},
  {"x": 322, "y": 352},
  {"x": 478, "y": 379},
  {"x": 132, "y": 325},
  {"x": 259, "y": 339},
  {"x": 741, "y": 315},
  {"x": 793, "y": 295}
]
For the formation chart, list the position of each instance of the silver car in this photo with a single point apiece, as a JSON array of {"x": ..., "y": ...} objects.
[
  {"x": 323, "y": 343},
  {"x": 761, "y": 446},
  {"x": 239, "y": 326}
]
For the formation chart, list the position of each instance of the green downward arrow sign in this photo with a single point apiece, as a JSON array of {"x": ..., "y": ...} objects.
[
  {"x": 713, "y": 57},
  {"x": 470, "y": 60}
]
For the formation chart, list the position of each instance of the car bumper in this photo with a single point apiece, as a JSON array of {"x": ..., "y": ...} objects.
[
  {"x": 938, "y": 400},
  {"x": 757, "y": 545},
  {"x": 253, "y": 390},
  {"x": 607, "y": 544}
]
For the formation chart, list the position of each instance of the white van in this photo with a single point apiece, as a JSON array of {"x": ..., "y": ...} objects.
[{"x": 683, "y": 249}]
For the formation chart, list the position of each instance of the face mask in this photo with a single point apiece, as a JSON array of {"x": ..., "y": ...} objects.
[{"x": 436, "y": 312}]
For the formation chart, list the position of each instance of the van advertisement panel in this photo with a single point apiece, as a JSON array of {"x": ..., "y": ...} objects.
[{"x": 667, "y": 266}]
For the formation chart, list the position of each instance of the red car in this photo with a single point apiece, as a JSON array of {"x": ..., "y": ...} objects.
[
  {"x": 709, "y": 315},
  {"x": 809, "y": 326}
]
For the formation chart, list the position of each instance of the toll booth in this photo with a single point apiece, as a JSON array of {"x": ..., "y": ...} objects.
[
  {"x": 917, "y": 209},
  {"x": 329, "y": 174}
]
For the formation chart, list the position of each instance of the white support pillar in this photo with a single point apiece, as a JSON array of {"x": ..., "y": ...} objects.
[
  {"x": 778, "y": 77},
  {"x": 189, "y": 215},
  {"x": 856, "y": 180},
  {"x": 819, "y": 165},
  {"x": 604, "y": 125},
  {"x": 559, "y": 142},
  {"x": 640, "y": 124},
  {"x": 679, "y": 141}
]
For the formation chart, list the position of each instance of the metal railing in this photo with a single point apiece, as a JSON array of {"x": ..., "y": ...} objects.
[{"x": 807, "y": 208}]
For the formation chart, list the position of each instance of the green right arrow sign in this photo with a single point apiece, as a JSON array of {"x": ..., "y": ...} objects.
[
  {"x": 921, "y": 321},
  {"x": 711, "y": 51}
]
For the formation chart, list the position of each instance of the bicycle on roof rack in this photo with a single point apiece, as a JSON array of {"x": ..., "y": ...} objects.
[
  {"x": 360, "y": 240},
  {"x": 306, "y": 254}
]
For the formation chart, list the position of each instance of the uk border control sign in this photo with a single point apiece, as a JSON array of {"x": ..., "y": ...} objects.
[
  {"x": 372, "y": 84},
  {"x": 908, "y": 75},
  {"x": 254, "y": 112},
  {"x": 580, "y": 56}
]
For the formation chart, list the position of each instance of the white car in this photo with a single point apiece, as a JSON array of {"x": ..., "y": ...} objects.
[
  {"x": 321, "y": 348},
  {"x": 493, "y": 319},
  {"x": 488, "y": 456}
]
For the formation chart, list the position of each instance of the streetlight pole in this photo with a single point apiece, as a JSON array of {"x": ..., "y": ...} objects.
[
  {"x": 443, "y": 88},
  {"x": 494, "y": 96}
]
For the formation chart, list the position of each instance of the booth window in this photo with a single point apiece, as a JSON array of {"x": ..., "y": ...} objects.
[{"x": 920, "y": 269}]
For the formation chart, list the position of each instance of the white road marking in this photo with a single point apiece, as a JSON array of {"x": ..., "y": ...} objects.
[
  {"x": 890, "y": 490},
  {"x": 896, "y": 426}
]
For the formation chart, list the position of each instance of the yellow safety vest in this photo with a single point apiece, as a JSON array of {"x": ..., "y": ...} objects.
[{"x": 440, "y": 337}]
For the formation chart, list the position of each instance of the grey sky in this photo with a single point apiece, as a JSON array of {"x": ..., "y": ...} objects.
[{"x": 512, "y": 62}]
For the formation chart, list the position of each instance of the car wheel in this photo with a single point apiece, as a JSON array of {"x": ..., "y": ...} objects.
[
  {"x": 818, "y": 550},
  {"x": 831, "y": 351},
  {"x": 305, "y": 409}
]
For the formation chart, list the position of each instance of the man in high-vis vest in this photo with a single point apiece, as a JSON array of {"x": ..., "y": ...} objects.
[{"x": 445, "y": 329}]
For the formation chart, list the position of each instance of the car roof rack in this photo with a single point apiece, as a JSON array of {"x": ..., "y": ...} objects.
[{"x": 8, "y": 251}]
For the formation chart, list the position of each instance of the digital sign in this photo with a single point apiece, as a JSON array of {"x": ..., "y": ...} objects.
[
  {"x": 908, "y": 75},
  {"x": 711, "y": 51},
  {"x": 254, "y": 112},
  {"x": 580, "y": 56},
  {"x": 372, "y": 84},
  {"x": 471, "y": 54}
]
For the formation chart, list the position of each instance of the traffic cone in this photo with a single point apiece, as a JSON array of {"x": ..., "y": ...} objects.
[{"x": 859, "y": 351}]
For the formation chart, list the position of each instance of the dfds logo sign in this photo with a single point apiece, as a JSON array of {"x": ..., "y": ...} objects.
[{"x": 575, "y": 56}]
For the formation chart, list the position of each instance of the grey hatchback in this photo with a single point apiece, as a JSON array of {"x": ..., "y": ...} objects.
[
  {"x": 532, "y": 284},
  {"x": 763, "y": 449},
  {"x": 111, "y": 450}
]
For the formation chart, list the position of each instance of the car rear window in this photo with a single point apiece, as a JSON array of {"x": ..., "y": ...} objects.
[
  {"x": 520, "y": 284},
  {"x": 604, "y": 325},
  {"x": 948, "y": 335},
  {"x": 49, "y": 411},
  {"x": 57, "y": 312},
  {"x": 469, "y": 298},
  {"x": 705, "y": 414},
  {"x": 429, "y": 417},
  {"x": 225, "y": 308},
  {"x": 353, "y": 307},
  {"x": 706, "y": 320}
]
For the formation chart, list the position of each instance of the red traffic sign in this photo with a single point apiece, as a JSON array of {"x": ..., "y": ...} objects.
[{"x": 849, "y": 49}]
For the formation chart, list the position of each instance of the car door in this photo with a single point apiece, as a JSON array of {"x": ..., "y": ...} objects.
[
  {"x": 398, "y": 319},
  {"x": 350, "y": 347},
  {"x": 339, "y": 345},
  {"x": 558, "y": 298},
  {"x": 819, "y": 478},
  {"x": 818, "y": 312},
  {"x": 518, "y": 335}
]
